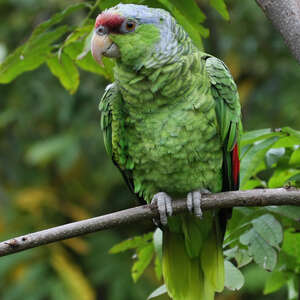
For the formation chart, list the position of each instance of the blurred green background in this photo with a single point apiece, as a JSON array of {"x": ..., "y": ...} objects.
[{"x": 54, "y": 170}]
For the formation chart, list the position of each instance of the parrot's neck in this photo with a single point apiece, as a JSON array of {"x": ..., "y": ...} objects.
[{"x": 149, "y": 89}]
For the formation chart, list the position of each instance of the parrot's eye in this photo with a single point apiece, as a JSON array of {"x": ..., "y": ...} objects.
[
  {"x": 101, "y": 30},
  {"x": 128, "y": 26}
]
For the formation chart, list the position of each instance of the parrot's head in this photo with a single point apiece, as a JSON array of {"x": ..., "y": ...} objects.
[{"x": 134, "y": 34}]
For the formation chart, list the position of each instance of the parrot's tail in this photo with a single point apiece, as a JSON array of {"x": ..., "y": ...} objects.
[{"x": 193, "y": 263}]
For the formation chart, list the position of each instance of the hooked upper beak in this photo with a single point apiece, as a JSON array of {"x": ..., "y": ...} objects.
[{"x": 103, "y": 45}]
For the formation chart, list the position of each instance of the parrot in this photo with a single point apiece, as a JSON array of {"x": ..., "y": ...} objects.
[{"x": 171, "y": 123}]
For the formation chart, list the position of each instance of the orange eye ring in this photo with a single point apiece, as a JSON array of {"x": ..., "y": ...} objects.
[{"x": 130, "y": 25}]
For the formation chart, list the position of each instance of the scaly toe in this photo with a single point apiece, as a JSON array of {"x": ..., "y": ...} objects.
[
  {"x": 194, "y": 203},
  {"x": 164, "y": 206}
]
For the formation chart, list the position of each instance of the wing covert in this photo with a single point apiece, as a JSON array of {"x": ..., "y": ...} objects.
[{"x": 228, "y": 111}]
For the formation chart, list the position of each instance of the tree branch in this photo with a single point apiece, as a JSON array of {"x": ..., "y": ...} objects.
[
  {"x": 258, "y": 197},
  {"x": 285, "y": 16}
]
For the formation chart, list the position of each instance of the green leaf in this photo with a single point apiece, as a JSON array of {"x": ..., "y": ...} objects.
[
  {"x": 293, "y": 288},
  {"x": 104, "y": 4},
  {"x": 79, "y": 33},
  {"x": 234, "y": 279},
  {"x": 89, "y": 64},
  {"x": 246, "y": 237},
  {"x": 144, "y": 257},
  {"x": 288, "y": 141},
  {"x": 273, "y": 155},
  {"x": 291, "y": 131},
  {"x": 281, "y": 176},
  {"x": 193, "y": 28},
  {"x": 275, "y": 282},
  {"x": 190, "y": 9},
  {"x": 269, "y": 229},
  {"x": 158, "y": 292},
  {"x": 295, "y": 158},
  {"x": 239, "y": 223},
  {"x": 30, "y": 56},
  {"x": 136, "y": 242},
  {"x": 220, "y": 6},
  {"x": 57, "y": 18},
  {"x": 242, "y": 257},
  {"x": 158, "y": 267},
  {"x": 230, "y": 253},
  {"x": 157, "y": 240},
  {"x": 36, "y": 50},
  {"x": 253, "y": 136},
  {"x": 291, "y": 244},
  {"x": 253, "y": 183},
  {"x": 254, "y": 157},
  {"x": 65, "y": 70},
  {"x": 263, "y": 254},
  {"x": 292, "y": 212}
]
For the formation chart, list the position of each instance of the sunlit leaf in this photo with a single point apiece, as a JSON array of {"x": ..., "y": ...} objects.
[
  {"x": 293, "y": 288},
  {"x": 157, "y": 241},
  {"x": 158, "y": 267},
  {"x": 158, "y": 292},
  {"x": 220, "y": 6},
  {"x": 275, "y": 282},
  {"x": 295, "y": 158},
  {"x": 291, "y": 244},
  {"x": 135, "y": 242},
  {"x": 144, "y": 257},
  {"x": 66, "y": 71},
  {"x": 29, "y": 57},
  {"x": 35, "y": 51},
  {"x": 234, "y": 279},
  {"x": 281, "y": 176}
]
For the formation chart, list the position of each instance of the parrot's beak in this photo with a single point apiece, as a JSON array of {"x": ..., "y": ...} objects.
[{"x": 103, "y": 45}]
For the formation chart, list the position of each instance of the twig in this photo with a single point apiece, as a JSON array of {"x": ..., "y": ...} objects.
[
  {"x": 259, "y": 197},
  {"x": 285, "y": 16}
]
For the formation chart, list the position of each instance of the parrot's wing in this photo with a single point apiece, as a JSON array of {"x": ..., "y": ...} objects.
[
  {"x": 105, "y": 106},
  {"x": 109, "y": 107},
  {"x": 228, "y": 111}
]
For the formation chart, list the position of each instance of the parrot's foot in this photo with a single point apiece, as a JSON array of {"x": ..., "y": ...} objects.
[
  {"x": 194, "y": 202},
  {"x": 164, "y": 205}
]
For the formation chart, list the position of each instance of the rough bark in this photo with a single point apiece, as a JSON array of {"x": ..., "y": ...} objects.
[{"x": 285, "y": 16}]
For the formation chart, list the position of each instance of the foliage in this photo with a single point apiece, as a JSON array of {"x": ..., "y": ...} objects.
[
  {"x": 256, "y": 234},
  {"x": 53, "y": 167},
  {"x": 63, "y": 55}
]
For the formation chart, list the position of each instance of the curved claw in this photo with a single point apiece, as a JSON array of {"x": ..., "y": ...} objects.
[{"x": 164, "y": 206}]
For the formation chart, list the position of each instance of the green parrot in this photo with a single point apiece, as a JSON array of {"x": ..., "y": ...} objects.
[{"x": 171, "y": 123}]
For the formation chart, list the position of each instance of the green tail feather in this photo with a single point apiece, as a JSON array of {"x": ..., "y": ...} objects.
[{"x": 193, "y": 264}]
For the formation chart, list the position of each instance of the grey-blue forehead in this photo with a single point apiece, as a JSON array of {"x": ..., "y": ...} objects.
[
  {"x": 149, "y": 20},
  {"x": 142, "y": 13}
]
